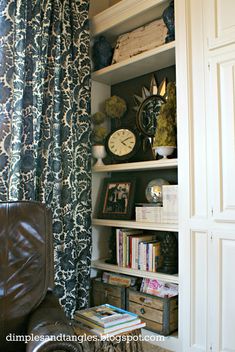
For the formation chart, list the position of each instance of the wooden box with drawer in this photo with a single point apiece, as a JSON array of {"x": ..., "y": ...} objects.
[
  {"x": 106, "y": 293},
  {"x": 159, "y": 314}
]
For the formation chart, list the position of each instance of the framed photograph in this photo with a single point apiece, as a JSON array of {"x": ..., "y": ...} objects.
[{"x": 117, "y": 199}]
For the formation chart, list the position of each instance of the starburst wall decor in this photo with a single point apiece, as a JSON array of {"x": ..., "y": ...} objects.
[{"x": 148, "y": 106}]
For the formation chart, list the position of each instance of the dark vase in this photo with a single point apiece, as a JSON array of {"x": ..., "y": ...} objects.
[
  {"x": 102, "y": 53},
  {"x": 112, "y": 249},
  {"x": 169, "y": 20},
  {"x": 169, "y": 252}
]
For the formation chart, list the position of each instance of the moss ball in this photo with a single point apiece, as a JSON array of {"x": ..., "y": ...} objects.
[
  {"x": 115, "y": 107},
  {"x": 98, "y": 118},
  {"x": 98, "y": 135}
]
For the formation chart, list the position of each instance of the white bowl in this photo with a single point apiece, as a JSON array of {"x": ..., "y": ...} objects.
[{"x": 164, "y": 151}]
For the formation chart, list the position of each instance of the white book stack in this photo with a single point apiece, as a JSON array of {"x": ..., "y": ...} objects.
[
  {"x": 148, "y": 213},
  {"x": 170, "y": 204}
]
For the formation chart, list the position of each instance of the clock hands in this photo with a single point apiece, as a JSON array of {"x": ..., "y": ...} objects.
[{"x": 126, "y": 138}]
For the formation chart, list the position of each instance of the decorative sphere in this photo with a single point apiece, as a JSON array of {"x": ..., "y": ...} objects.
[{"x": 153, "y": 191}]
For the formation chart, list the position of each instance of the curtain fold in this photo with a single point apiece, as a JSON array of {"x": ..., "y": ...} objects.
[{"x": 45, "y": 147}]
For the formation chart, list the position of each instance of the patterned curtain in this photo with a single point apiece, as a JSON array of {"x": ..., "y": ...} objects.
[{"x": 44, "y": 127}]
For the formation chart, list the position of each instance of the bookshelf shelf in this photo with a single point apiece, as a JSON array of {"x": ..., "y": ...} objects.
[
  {"x": 135, "y": 225},
  {"x": 125, "y": 16},
  {"x": 138, "y": 166},
  {"x": 101, "y": 265},
  {"x": 149, "y": 61}
]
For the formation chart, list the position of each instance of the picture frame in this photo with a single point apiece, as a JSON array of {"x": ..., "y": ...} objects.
[{"x": 117, "y": 199}]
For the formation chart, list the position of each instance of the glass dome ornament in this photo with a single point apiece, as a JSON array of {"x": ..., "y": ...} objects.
[{"x": 153, "y": 191}]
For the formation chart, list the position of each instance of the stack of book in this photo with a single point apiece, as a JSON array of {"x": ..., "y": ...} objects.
[
  {"x": 107, "y": 320},
  {"x": 148, "y": 212},
  {"x": 136, "y": 250}
]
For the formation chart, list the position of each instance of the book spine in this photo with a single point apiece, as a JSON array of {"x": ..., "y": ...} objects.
[
  {"x": 153, "y": 259},
  {"x": 147, "y": 257},
  {"x": 136, "y": 253},
  {"x": 128, "y": 251},
  {"x": 121, "y": 247},
  {"x": 133, "y": 252},
  {"x": 150, "y": 257},
  {"x": 139, "y": 256},
  {"x": 144, "y": 256},
  {"x": 124, "y": 249},
  {"x": 131, "y": 241},
  {"x": 157, "y": 255},
  {"x": 117, "y": 247}
]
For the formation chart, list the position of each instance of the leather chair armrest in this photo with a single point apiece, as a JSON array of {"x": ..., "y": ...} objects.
[{"x": 51, "y": 328}]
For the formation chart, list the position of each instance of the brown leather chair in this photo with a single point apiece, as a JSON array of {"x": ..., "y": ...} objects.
[{"x": 27, "y": 304}]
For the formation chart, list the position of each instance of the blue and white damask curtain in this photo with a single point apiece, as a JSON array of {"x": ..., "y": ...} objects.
[{"x": 44, "y": 126}]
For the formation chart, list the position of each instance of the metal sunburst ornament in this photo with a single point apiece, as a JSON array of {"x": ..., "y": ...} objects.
[{"x": 148, "y": 107}]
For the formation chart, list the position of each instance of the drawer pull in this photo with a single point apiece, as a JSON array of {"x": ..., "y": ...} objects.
[
  {"x": 142, "y": 311},
  {"x": 145, "y": 300}
]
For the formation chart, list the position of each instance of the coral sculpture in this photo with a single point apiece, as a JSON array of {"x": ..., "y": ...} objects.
[{"x": 166, "y": 122}]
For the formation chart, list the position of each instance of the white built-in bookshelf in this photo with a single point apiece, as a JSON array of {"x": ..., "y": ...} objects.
[{"x": 120, "y": 18}]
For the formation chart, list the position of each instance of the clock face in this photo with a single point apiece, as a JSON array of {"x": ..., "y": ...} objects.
[
  {"x": 147, "y": 115},
  {"x": 121, "y": 144}
]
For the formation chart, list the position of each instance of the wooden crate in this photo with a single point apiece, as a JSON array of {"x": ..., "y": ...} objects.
[
  {"x": 159, "y": 314},
  {"x": 106, "y": 293}
]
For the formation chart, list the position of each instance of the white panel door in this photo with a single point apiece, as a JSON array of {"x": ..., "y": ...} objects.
[
  {"x": 221, "y": 135},
  {"x": 197, "y": 121},
  {"x": 198, "y": 288},
  {"x": 220, "y": 20},
  {"x": 221, "y": 292}
]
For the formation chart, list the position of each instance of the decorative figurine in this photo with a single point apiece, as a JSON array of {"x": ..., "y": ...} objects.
[
  {"x": 102, "y": 53},
  {"x": 169, "y": 20},
  {"x": 169, "y": 252}
]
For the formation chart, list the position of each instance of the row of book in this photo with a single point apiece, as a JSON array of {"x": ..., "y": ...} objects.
[
  {"x": 107, "y": 320},
  {"x": 136, "y": 250}
]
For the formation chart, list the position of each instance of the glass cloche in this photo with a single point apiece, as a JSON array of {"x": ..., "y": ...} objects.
[{"x": 153, "y": 191}]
